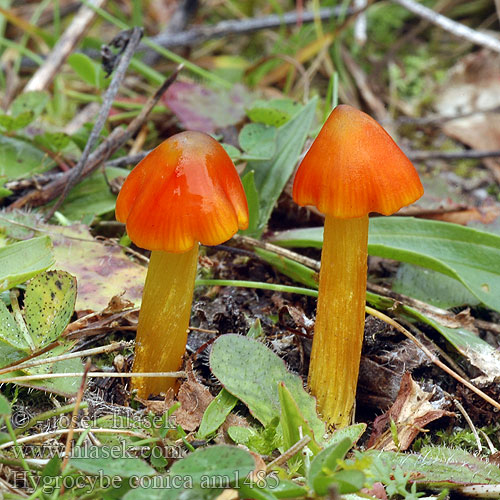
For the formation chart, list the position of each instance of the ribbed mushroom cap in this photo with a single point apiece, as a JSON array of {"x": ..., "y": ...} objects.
[
  {"x": 354, "y": 167},
  {"x": 186, "y": 190}
]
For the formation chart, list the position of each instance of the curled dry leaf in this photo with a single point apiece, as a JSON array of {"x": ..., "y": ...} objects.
[{"x": 411, "y": 412}]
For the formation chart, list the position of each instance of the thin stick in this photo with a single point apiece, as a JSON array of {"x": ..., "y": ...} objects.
[
  {"x": 89, "y": 352},
  {"x": 471, "y": 425},
  {"x": 301, "y": 443},
  {"x": 74, "y": 415},
  {"x": 452, "y": 155},
  {"x": 61, "y": 432},
  {"x": 457, "y": 29},
  {"x": 27, "y": 378},
  {"x": 243, "y": 26},
  {"x": 63, "y": 48},
  {"x": 434, "y": 359},
  {"x": 109, "y": 97}
]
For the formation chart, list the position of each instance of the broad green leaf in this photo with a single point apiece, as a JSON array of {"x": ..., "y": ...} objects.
[
  {"x": 234, "y": 153},
  {"x": 54, "y": 141},
  {"x": 9, "y": 330},
  {"x": 216, "y": 413},
  {"x": 431, "y": 287},
  {"x": 49, "y": 303},
  {"x": 293, "y": 424},
  {"x": 441, "y": 467},
  {"x": 103, "y": 459},
  {"x": 11, "y": 123},
  {"x": 352, "y": 432},
  {"x": 92, "y": 196},
  {"x": 20, "y": 159},
  {"x": 275, "y": 112},
  {"x": 272, "y": 175},
  {"x": 223, "y": 461},
  {"x": 252, "y": 372},
  {"x": 33, "y": 102},
  {"x": 325, "y": 464},
  {"x": 258, "y": 141},
  {"x": 254, "y": 492},
  {"x": 5, "y": 409},
  {"x": 23, "y": 260},
  {"x": 465, "y": 254},
  {"x": 4, "y": 192},
  {"x": 252, "y": 195},
  {"x": 87, "y": 69},
  {"x": 284, "y": 488}
]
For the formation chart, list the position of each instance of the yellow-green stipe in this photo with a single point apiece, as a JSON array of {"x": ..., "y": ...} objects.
[
  {"x": 340, "y": 318},
  {"x": 164, "y": 318}
]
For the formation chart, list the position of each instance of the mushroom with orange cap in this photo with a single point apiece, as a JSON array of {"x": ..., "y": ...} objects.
[
  {"x": 352, "y": 168},
  {"x": 184, "y": 192}
]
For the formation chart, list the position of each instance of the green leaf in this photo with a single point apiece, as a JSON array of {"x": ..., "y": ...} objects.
[
  {"x": 284, "y": 488},
  {"x": 275, "y": 112},
  {"x": 352, "y": 432},
  {"x": 54, "y": 141},
  {"x": 20, "y": 159},
  {"x": 222, "y": 461},
  {"x": 33, "y": 102},
  {"x": 92, "y": 196},
  {"x": 440, "y": 467},
  {"x": 9, "y": 330},
  {"x": 49, "y": 303},
  {"x": 431, "y": 287},
  {"x": 465, "y": 254},
  {"x": 252, "y": 195},
  {"x": 325, "y": 464},
  {"x": 216, "y": 413},
  {"x": 11, "y": 123},
  {"x": 23, "y": 260},
  {"x": 5, "y": 409},
  {"x": 87, "y": 69},
  {"x": 255, "y": 492},
  {"x": 252, "y": 372},
  {"x": 258, "y": 141},
  {"x": 103, "y": 459},
  {"x": 272, "y": 175},
  {"x": 294, "y": 425}
]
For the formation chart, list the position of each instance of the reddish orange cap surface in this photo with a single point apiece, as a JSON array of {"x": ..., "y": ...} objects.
[
  {"x": 354, "y": 167},
  {"x": 186, "y": 190}
]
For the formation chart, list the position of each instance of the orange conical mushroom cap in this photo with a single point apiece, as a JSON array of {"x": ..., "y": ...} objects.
[
  {"x": 186, "y": 190},
  {"x": 354, "y": 167}
]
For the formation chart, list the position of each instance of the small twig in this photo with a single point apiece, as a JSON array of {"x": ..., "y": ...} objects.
[
  {"x": 243, "y": 26},
  {"x": 61, "y": 432},
  {"x": 433, "y": 358},
  {"x": 452, "y": 155},
  {"x": 457, "y": 29},
  {"x": 109, "y": 97},
  {"x": 63, "y": 48},
  {"x": 288, "y": 454},
  {"x": 461, "y": 409},
  {"x": 89, "y": 352},
  {"x": 125, "y": 161},
  {"x": 47, "y": 376},
  {"x": 112, "y": 143},
  {"x": 72, "y": 425}
]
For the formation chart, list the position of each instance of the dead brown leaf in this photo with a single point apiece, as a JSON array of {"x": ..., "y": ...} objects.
[{"x": 411, "y": 412}]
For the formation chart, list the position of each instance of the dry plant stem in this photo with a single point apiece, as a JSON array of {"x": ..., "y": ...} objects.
[
  {"x": 63, "y": 48},
  {"x": 339, "y": 328},
  {"x": 61, "y": 432},
  {"x": 69, "y": 437},
  {"x": 27, "y": 378},
  {"x": 288, "y": 454},
  {"x": 164, "y": 318},
  {"x": 457, "y": 29},
  {"x": 431, "y": 355},
  {"x": 461, "y": 409},
  {"x": 79, "y": 354},
  {"x": 108, "y": 99}
]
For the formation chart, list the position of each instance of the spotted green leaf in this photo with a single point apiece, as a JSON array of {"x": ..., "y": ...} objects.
[{"x": 49, "y": 303}]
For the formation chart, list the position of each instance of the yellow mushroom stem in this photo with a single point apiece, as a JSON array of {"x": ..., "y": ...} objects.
[
  {"x": 164, "y": 318},
  {"x": 340, "y": 318}
]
